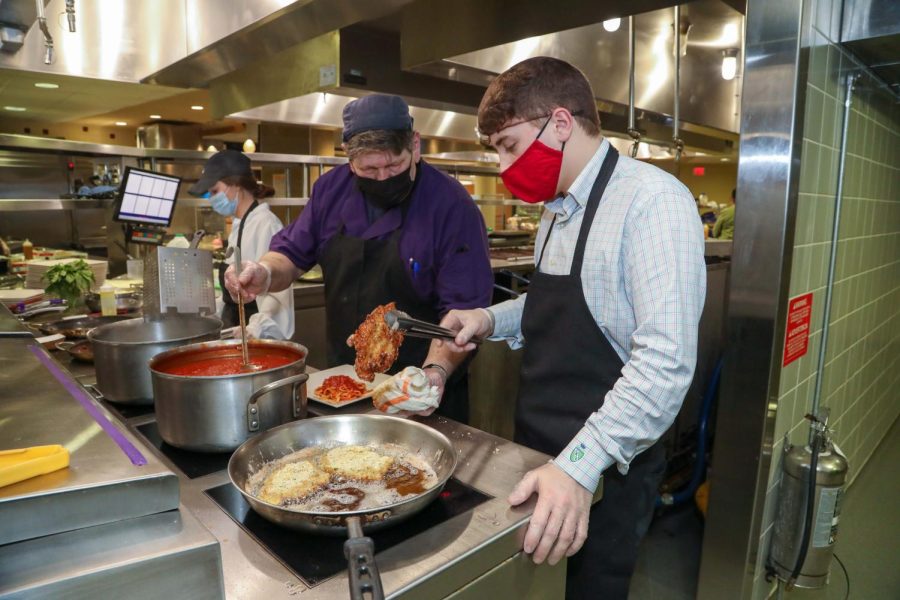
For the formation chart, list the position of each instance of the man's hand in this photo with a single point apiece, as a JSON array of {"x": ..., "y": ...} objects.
[
  {"x": 254, "y": 280},
  {"x": 468, "y": 324},
  {"x": 559, "y": 524}
]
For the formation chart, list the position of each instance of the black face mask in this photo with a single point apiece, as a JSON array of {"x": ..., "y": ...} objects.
[{"x": 387, "y": 193}]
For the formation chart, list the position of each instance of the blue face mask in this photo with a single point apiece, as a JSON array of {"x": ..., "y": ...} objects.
[{"x": 222, "y": 205}]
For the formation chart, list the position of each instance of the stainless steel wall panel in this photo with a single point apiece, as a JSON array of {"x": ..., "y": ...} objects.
[{"x": 768, "y": 172}]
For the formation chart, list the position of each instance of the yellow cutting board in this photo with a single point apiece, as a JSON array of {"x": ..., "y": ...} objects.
[{"x": 25, "y": 463}]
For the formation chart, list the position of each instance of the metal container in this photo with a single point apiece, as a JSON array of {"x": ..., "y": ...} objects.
[
  {"x": 428, "y": 444},
  {"x": 830, "y": 476},
  {"x": 126, "y": 301},
  {"x": 123, "y": 349},
  {"x": 219, "y": 413}
]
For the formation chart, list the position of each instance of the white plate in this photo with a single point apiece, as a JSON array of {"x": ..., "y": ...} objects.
[{"x": 316, "y": 379}]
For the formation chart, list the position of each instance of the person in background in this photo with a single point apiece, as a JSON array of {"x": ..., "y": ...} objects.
[
  {"x": 609, "y": 324},
  {"x": 234, "y": 192},
  {"x": 386, "y": 227},
  {"x": 724, "y": 228}
]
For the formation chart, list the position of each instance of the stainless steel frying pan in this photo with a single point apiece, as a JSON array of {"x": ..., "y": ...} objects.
[{"x": 429, "y": 445}]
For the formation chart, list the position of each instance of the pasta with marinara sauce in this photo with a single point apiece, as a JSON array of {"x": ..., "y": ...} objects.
[{"x": 340, "y": 388}]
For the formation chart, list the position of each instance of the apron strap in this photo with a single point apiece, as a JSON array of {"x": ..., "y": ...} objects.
[
  {"x": 244, "y": 222},
  {"x": 606, "y": 171},
  {"x": 544, "y": 245}
]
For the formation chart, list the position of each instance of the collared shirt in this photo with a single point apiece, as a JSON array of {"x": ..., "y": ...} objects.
[
  {"x": 443, "y": 241},
  {"x": 644, "y": 280}
]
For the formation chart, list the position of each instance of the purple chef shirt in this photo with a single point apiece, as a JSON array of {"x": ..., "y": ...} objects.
[{"x": 444, "y": 233}]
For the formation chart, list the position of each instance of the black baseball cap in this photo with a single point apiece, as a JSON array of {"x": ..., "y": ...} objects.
[
  {"x": 227, "y": 163},
  {"x": 377, "y": 111}
]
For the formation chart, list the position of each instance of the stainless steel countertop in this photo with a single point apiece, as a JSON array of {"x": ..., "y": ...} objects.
[
  {"x": 430, "y": 565},
  {"x": 101, "y": 484}
]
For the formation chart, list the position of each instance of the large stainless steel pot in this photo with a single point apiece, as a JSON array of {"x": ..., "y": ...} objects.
[
  {"x": 219, "y": 413},
  {"x": 428, "y": 444},
  {"x": 123, "y": 349}
]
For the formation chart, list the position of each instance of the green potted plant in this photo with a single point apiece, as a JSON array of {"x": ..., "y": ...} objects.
[{"x": 69, "y": 281}]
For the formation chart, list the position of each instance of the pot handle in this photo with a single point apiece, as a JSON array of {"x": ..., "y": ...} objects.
[
  {"x": 253, "y": 406},
  {"x": 364, "y": 578}
]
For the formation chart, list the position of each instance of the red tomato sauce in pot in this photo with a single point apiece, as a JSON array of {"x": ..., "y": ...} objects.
[{"x": 226, "y": 361}]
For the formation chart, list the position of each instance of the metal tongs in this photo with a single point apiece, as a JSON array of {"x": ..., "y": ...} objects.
[{"x": 397, "y": 319}]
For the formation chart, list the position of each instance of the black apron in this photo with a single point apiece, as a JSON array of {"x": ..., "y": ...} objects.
[
  {"x": 361, "y": 274},
  {"x": 230, "y": 315},
  {"x": 568, "y": 367}
]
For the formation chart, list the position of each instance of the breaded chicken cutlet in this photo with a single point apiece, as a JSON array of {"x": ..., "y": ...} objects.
[
  {"x": 293, "y": 481},
  {"x": 356, "y": 462}
]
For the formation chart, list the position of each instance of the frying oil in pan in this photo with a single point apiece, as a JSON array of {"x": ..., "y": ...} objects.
[{"x": 407, "y": 475}]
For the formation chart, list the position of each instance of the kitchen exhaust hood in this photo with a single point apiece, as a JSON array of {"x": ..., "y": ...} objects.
[
  {"x": 466, "y": 49},
  {"x": 871, "y": 30}
]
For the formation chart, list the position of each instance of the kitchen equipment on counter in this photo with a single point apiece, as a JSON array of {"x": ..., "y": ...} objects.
[
  {"x": 397, "y": 319},
  {"x": 80, "y": 350},
  {"x": 123, "y": 349},
  {"x": 179, "y": 280},
  {"x": 78, "y": 327},
  {"x": 127, "y": 301},
  {"x": 26, "y": 296},
  {"x": 24, "y": 463},
  {"x": 428, "y": 444},
  {"x": 217, "y": 413}
]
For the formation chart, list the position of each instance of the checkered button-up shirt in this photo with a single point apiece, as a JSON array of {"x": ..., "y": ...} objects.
[{"x": 644, "y": 279}]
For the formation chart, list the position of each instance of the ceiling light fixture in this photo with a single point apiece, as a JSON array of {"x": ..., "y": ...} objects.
[
  {"x": 211, "y": 148},
  {"x": 156, "y": 116},
  {"x": 249, "y": 146},
  {"x": 121, "y": 123},
  {"x": 196, "y": 107},
  {"x": 46, "y": 86},
  {"x": 612, "y": 25},
  {"x": 729, "y": 64},
  {"x": 15, "y": 108}
]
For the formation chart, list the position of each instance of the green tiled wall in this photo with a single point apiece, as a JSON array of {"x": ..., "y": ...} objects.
[{"x": 861, "y": 377}]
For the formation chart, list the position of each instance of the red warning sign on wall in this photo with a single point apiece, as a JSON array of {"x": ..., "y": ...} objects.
[{"x": 796, "y": 336}]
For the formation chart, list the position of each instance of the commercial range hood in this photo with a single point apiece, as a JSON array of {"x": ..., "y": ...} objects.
[
  {"x": 871, "y": 30},
  {"x": 309, "y": 83},
  {"x": 265, "y": 59}
]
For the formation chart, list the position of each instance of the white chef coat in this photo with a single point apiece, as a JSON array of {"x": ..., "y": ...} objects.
[{"x": 275, "y": 319}]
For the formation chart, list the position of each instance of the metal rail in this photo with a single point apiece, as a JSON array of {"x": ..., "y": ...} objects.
[{"x": 832, "y": 260}]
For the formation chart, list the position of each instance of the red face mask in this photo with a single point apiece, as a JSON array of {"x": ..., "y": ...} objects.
[{"x": 533, "y": 177}]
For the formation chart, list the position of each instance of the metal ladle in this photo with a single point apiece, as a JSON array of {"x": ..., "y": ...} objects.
[{"x": 245, "y": 351}]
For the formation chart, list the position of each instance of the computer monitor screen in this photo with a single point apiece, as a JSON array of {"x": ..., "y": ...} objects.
[{"x": 146, "y": 197}]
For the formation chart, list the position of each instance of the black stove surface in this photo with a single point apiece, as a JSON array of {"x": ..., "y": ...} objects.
[
  {"x": 315, "y": 558},
  {"x": 128, "y": 411},
  {"x": 192, "y": 464}
]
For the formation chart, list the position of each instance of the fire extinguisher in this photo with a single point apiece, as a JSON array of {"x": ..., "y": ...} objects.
[{"x": 808, "y": 509}]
